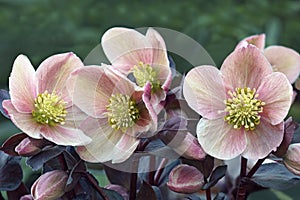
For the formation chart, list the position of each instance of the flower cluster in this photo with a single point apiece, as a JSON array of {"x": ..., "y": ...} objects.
[{"x": 124, "y": 115}]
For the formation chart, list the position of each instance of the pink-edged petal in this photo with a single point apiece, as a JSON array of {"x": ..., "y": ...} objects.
[
  {"x": 22, "y": 85},
  {"x": 124, "y": 148},
  {"x": 284, "y": 60},
  {"x": 74, "y": 117},
  {"x": 159, "y": 53},
  {"x": 256, "y": 40},
  {"x": 264, "y": 139},
  {"x": 219, "y": 139},
  {"x": 245, "y": 67},
  {"x": 65, "y": 136},
  {"x": 204, "y": 91},
  {"x": 126, "y": 47},
  {"x": 107, "y": 144},
  {"x": 23, "y": 121},
  {"x": 276, "y": 91},
  {"x": 90, "y": 88},
  {"x": 185, "y": 179},
  {"x": 53, "y": 73}
]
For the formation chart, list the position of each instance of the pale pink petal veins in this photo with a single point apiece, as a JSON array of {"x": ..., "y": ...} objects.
[
  {"x": 276, "y": 91},
  {"x": 245, "y": 67},
  {"x": 74, "y": 117},
  {"x": 284, "y": 60},
  {"x": 65, "y": 136},
  {"x": 23, "y": 121},
  {"x": 90, "y": 89},
  {"x": 264, "y": 139},
  {"x": 204, "y": 91},
  {"x": 107, "y": 144},
  {"x": 124, "y": 148},
  {"x": 125, "y": 48},
  {"x": 53, "y": 73},
  {"x": 22, "y": 85},
  {"x": 219, "y": 139},
  {"x": 256, "y": 40},
  {"x": 160, "y": 61}
]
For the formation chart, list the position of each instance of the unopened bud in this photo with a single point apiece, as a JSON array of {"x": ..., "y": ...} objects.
[
  {"x": 185, "y": 179},
  {"x": 185, "y": 144},
  {"x": 292, "y": 158},
  {"x": 50, "y": 185},
  {"x": 29, "y": 146},
  {"x": 119, "y": 189}
]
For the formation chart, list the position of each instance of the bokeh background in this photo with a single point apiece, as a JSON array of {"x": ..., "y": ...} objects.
[{"x": 40, "y": 28}]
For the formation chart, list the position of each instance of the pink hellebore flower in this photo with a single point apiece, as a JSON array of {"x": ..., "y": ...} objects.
[
  {"x": 119, "y": 112},
  {"x": 145, "y": 56},
  {"x": 40, "y": 105},
  {"x": 282, "y": 59},
  {"x": 242, "y": 105}
]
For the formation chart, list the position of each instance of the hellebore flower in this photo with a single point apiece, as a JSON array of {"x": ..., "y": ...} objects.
[
  {"x": 143, "y": 56},
  {"x": 119, "y": 112},
  {"x": 50, "y": 186},
  {"x": 242, "y": 105},
  {"x": 40, "y": 105},
  {"x": 292, "y": 158},
  {"x": 185, "y": 179},
  {"x": 30, "y": 146},
  {"x": 282, "y": 59}
]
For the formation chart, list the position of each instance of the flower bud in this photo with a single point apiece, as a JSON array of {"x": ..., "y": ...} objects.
[
  {"x": 185, "y": 144},
  {"x": 29, "y": 146},
  {"x": 119, "y": 189},
  {"x": 185, "y": 179},
  {"x": 50, "y": 185},
  {"x": 27, "y": 197},
  {"x": 292, "y": 158}
]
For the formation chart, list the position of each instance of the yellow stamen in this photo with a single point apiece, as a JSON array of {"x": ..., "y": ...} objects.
[
  {"x": 122, "y": 112},
  {"x": 144, "y": 73},
  {"x": 243, "y": 108},
  {"x": 49, "y": 109}
]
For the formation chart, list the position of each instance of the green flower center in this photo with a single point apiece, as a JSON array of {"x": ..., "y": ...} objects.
[
  {"x": 243, "y": 108},
  {"x": 49, "y": 109},
  {"x": 144, "y": 73},
  {"x": 122, "y": 112}
]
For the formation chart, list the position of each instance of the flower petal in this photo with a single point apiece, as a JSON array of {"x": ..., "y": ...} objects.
[
  {"x": 74, "y": 117},
  {"x": 264, "y": 139},
  {"x": 256, "y": 40},
  {"x": 107, "y": 144},
  {"x": 284, "y": 60},
  {"x": 53, "y": 73},
  {"x": 219, "y": 139},
  {"x": 204, "y": 91},
  {"x": 22, "y": 85},
  {"x": 23, "y": 121},
  {"x": 91, "y": 87},
  {"x": 276, "y": 91},
  {"x": 65, "y": 136},
  {"x": 126, "y": 47},
  {"x": 245, "y": 67}
]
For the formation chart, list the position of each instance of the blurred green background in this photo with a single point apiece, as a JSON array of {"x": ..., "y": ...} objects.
[{"x": 40, "y": 28}]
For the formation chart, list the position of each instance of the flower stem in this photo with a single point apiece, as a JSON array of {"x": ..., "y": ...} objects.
[
  {"x": 160, "y": 170},
  {"x": 207, "y": 191},
  {"x": 241, "y": 192},
  {"x": 133, "y": 179},
  {"x": 152, "y": 163},
  {"x": 255, "y": 167},
  {"x": 208, "y": 194}
]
